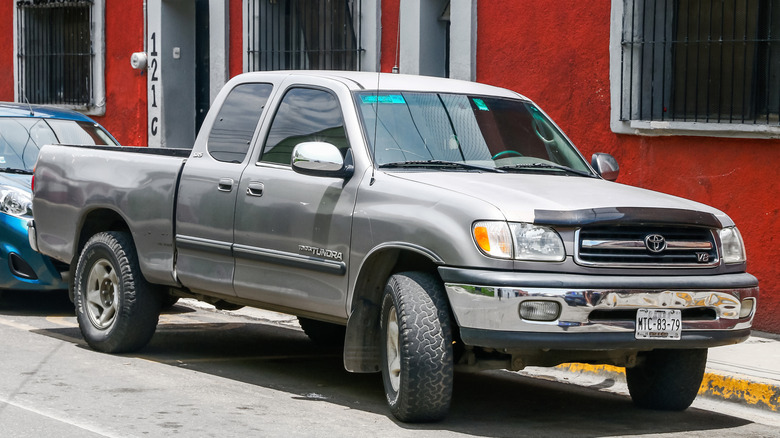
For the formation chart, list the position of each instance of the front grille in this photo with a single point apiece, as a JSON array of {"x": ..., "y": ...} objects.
[{"x": 620, "y": 246}]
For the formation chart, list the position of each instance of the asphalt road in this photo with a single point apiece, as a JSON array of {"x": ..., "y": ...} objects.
[{"x": 209, "y": 373}]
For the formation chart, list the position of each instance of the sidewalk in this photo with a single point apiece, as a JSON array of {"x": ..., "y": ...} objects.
[{"x": 746, "y": 373}]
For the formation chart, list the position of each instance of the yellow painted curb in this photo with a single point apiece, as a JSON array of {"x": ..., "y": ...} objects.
[{"x": 762, "y": 395}]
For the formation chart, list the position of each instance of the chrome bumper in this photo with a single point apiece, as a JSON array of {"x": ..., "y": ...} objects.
[{"x": 481, "y": 308}]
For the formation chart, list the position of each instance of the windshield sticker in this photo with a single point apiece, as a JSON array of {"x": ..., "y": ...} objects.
[
  {"x": 480, "y": 104},
  {"x": 390, "y": 98},
  {"x": 2, "y": 160}
]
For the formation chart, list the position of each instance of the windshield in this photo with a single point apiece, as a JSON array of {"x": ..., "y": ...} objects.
[
  {"x": 487, "y": 132},
  {"x": 22, "y": 138}
]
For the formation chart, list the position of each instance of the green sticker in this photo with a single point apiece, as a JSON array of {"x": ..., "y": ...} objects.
[
  {"x": 480, "y": 104},
  {"x": 389, "y": 98}
]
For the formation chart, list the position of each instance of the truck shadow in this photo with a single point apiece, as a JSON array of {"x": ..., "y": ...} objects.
[
  {"x": 36, "y": 303},
  {"x": 495, "y": 403}
]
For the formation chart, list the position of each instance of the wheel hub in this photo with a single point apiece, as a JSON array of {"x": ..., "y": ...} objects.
[{"x": 100, "y": 294}]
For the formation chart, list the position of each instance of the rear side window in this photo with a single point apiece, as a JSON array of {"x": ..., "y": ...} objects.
[
  {"x": 232, "y": 132},
  {"x": 305, "y": 114}
]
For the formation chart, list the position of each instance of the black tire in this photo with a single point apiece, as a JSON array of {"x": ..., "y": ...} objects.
[
  {"x": 323, "y": 333},
  {"x": 117, "y": 309},
  {"x": 416, "y": 347},
  {"x": 666, "y": 380}
]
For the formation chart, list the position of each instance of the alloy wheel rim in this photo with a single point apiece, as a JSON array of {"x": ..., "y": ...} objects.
[
  {"x": 393, "y": 347},
  {"x": 102, "y": 290}
]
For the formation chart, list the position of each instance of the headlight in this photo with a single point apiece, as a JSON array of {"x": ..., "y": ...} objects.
[
  {"x": 15, "y": 202},
  {"x": 733, "y": 247},
  {"x": 533, "y": 242},
  {"x": 520, "y": 241}
]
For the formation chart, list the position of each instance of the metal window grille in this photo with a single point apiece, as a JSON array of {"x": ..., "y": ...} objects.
[
  {"x": 715, "y": 61},
  {"x": 303, "y": 34},
  {"x": 55, "y": 56}
]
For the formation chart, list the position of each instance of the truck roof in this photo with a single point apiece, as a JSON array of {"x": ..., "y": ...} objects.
[{"x": 370, "y": 81}]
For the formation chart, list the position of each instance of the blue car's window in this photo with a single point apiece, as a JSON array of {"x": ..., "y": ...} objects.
[
  {"x": 20, "y": 141},
  {"x": 22, "y": 138},
  {"x": 69, "y": 132}
]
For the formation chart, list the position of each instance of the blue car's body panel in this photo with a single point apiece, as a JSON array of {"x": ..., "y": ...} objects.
[
  {"x": 14, "y": 243},
  {"x": 21, "y": 268}
]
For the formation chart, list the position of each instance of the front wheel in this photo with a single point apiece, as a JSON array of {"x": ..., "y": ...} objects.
[
  {"x": 666, "y": 380},
  {"x": 417, "y": 359},
  {"x": 117, "y": 309}
]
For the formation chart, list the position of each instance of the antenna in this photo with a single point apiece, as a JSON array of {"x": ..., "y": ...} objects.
[
  {"x": 376, "y": 124},
  {"x": 32, "y": 113},
  {"x": 397, "y": 42}
]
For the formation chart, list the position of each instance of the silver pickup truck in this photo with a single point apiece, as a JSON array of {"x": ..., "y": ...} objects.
[{"x": 428, "y": 224}]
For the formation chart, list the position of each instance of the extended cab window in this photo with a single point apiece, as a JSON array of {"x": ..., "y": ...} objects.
[
  {"x": 305, "y": 114},
  {"x": 232, "y": 132}
]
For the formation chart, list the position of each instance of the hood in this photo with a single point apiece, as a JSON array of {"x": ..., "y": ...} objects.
[
  {"x": 23, "y": 182},
  {"x": 570, "y": 200}
]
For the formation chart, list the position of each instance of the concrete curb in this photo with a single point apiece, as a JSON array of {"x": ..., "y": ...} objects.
[{"x": 734, "y": 388}]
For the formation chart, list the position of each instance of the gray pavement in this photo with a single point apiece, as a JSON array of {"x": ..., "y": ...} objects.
[{"x": 747, "y": 373}]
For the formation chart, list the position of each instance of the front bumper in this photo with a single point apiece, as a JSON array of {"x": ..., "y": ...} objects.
[
  {"x": 597, "y": 312},
  {"x": 22, "y": 268}
]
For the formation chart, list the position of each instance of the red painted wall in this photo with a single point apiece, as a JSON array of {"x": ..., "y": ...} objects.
[
  {"x": 125, "y": 115},
  {"x": 236, "y": 31},
  {"x": 389, "y": 47},
  {"x": 126, "y": 98},
  {"x": 7, "y": 82},
  {"x": 558, "y": 55}
]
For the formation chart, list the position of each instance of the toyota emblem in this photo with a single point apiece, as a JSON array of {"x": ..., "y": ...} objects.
[{"x": 655, "y": 243}]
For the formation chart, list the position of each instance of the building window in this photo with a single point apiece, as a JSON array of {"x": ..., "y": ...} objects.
[
  {"x": 59, "y": 53},
  {"x": 302, "y": 34},
  {"x": 694, "y": 62}
]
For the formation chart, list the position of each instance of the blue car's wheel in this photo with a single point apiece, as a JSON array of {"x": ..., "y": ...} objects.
[{"x": 117, "y": 309}]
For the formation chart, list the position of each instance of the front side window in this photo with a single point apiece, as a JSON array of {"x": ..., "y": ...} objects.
[
  {"x": 700, "y": 61},
  {"x": 22, "y": 138},
  {"x": 234, "y": 127},
  {"x": 304, "y": 115},
  {"x": 422, "y": 129},
  {"x": 59, "y": 53}
]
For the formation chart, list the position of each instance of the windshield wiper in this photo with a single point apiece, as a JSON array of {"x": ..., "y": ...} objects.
[
  {"x": 19, "y": 171},
  {"x": 547, "y": 166},
  {"x": 439, "y": 164}
]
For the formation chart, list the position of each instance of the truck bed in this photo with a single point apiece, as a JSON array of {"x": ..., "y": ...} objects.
[{"x": 135, "y": 183}]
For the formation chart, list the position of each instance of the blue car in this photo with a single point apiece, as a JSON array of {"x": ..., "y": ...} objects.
[{"x": 23, "y": 130}]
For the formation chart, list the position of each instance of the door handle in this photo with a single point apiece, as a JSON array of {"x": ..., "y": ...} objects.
[
  {"x": 225, "y": 184},
  {"x": 255, "y": 189}
]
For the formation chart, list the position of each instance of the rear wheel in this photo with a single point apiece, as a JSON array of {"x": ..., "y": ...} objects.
[
  {"x": 666, "y": 380},
  {"x": 417, "y": 360},
  {"x": 117, "y": 309}
]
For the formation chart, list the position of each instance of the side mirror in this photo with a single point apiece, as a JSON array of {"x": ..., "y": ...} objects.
[
  {"x": 606, "y": 165},
  {"x": 318, "y": 158}
]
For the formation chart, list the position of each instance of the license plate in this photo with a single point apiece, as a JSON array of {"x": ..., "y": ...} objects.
[{"x": 658, "y": 324}]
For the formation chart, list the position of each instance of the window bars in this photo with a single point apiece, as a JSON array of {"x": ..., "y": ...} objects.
[
  {"x": 715, "y": 61},
  {"x": 303, "y": 34},
  {"x": 55, "y": 54}
]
